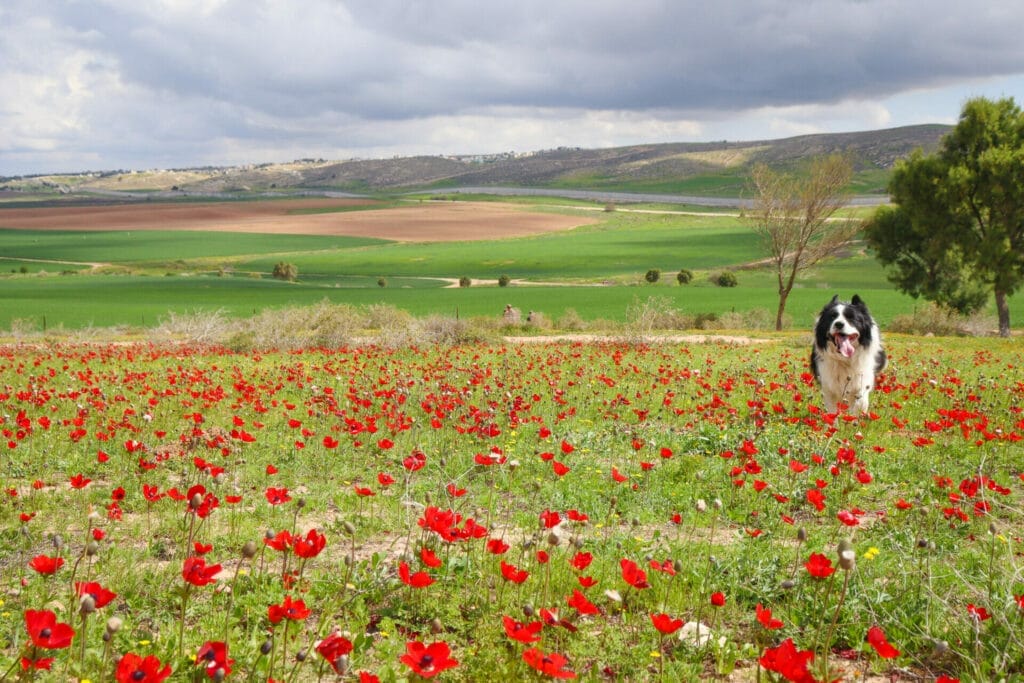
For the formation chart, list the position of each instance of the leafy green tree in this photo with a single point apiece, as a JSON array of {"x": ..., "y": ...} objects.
[
  {"x": 684, "y": 276},
  {"x": 956, "y": 231},
  {"x": 652, "y": 275},
  {"x": 795, "y": 218}
]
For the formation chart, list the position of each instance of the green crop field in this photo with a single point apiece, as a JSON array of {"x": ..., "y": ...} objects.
[{"x": 595, "y": 271}]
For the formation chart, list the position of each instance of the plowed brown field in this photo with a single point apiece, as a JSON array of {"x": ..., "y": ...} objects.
[{"x": 422, "y": 222}]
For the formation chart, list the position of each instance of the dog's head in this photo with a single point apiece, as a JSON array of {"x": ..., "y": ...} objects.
[{"x": 847, "y": 326}]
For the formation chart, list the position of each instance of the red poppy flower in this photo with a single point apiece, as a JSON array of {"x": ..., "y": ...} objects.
[
  {"x": 788, "y": 662},
  {"x": 135, "y": 669},
  {"x": 364, "y": 491},
  {"x": 718, "y": 599},
  {"x": 550, "y": 518},
  {"x": 764, "y": 617},
  {"x": 151, "y": 493},
  {"x": 100, "y": 595},
  {"x": 559, "y": 468},
  {"x": 201, "y": 548},
  {"x": 429, "y": 558},
  {"x": 42, "y": 664},
  {"x": 385, "y": 479},
  {"x": 197, "y": 573},
  {"x": 455, "y": 492},
  {"x": 512, "y": 573},
  {"x": 309, "y": 545},
  {"x": 79, "y": 481},
  {"x": 417, "y": 580},
  {"x": 632, "y": 574},
  {"x": 213, "y": 655},
  {"x": 524, "y": 633},
  {"x": 618, "y": 476},
  {"x": 581, "y": 560},
  {"x": 979, "y": 613},
  {"x": 819, "y": 566},
  {"x": 332, "y": 649},
  {"x": 496, "y": 546},
  {"x": 428, "y": 660},
  {"x": 45, "y": 564},
  {"x": 550, "y": 664},
  {"x": 579, "y": 602},
  {"x": 666, "y": 624},
  {"x": 416, "y": 461},
  {"x": 295, "y": 610},
  {"x": 876, "y": 638},
  {"x": 277, "y": 496},
  {"x": 46, "y": 632},
  {"x": 666, "y": 567}
]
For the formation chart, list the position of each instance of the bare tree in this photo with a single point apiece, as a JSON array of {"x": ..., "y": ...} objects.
[{"x": 795, "y": 217}]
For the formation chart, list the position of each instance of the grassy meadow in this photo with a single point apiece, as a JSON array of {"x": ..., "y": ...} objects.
[{"x": 509, "y": 512}]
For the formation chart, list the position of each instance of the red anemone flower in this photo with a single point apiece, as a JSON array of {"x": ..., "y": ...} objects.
[
  {"x": 819, "y": 566},
  {"x": 100, "y": 595},
  {"x": 46, "y": 632},
  {"x": 197, "y": 573},
  {"x": 288, "y": 609},
  {"x": 524, "y": 633},
  {"x": 332, "y": 649},
  {"x": 876, "y": 638},
  {"x": 280, "y": 541},
  {"x": 550, "y": 664},
  {"x": 718, "y": 599},
  {"x": 633, "y": 575},
  {"x": 513, "y": 573},
  {"x": 428, "y": 660},
  {"x": 277, "y": 496},
  {"x": 666, "y": 624},
  {"x": 45, "y": 564},
  {"x": 134, "y": 669},
  {"x": 764, "y": 617},
  {"x": 310, "y": 545},
  {"x": 417, "y": 580},
  {"x": 213, "y": 655},
  {"x": 579, "y": 601},
  {"x": 787, "y": 661}
]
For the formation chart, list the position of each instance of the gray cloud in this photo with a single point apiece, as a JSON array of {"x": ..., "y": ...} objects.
[{"x": 128, "y": 82}]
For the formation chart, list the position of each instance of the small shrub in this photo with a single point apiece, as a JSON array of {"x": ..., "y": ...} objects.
[
  {"x": 465, "y": 281},
  {"x": 504, "y": 280},
  {"x": 382, "y": 283},
  {"x": 571, "y": 321},
  {"x": 705, "y": 321},
  {"x": 609, "y": 207},
  {"x": 684, "y": 276},
  {"x": 939, "y": 321},
  {"x": 656, "y": 313},
  {"x": 285, "y": 271},
  {"x": 652, "y": 275},
  {"x": 538, "y": 320},
  {"x": 726, "y": 279}
]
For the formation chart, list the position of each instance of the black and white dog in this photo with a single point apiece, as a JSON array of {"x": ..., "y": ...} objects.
[{"x": 847, "y": 354}]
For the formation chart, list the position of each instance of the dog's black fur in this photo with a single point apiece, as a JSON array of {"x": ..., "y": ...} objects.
[{"x": 847, "y": 354}]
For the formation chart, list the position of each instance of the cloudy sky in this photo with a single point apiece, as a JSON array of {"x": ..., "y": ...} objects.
[{"x": 112, "y": 84}]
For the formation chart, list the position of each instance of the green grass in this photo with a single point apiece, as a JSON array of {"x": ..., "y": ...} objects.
[{"x": 159, "y": 246}]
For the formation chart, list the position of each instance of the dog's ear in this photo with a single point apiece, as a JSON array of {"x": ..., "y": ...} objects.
[
  {"x": 857, "y": 301},
  {"x": 835, "y": 300}
]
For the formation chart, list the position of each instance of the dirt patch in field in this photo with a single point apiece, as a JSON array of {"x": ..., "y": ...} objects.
[{"x": 422, "y": 222}]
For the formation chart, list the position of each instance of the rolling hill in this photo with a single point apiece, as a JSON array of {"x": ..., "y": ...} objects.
[{"x": 708, "y": 168}]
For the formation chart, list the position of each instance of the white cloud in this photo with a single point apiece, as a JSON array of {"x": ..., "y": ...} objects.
[{"x": 139, "y": 83}]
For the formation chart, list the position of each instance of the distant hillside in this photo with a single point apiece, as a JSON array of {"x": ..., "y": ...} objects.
[{"x": 711, "y": 168}]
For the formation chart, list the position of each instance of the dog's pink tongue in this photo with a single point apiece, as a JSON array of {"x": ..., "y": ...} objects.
[{"x": 845, "y": 347}]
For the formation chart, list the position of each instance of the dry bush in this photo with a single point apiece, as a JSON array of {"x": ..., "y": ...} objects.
[
  {"x": 537, "y": 321},
  {"x": 656, "y": 313},
  {"x": 933, "y": 319},
  {"x": 754, "y": 319},
  {"x": 571, "y": 321},
  {"x": 385, "y": 317},
  {"x": 24, "y": 328},
  {"x": 325, "y": 325},
  {"x": 438, "y": 329},
  {"x": 196, "y": 327}
]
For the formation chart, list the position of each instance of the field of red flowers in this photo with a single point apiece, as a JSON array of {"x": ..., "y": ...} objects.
[{"x": 509, "y": 512}]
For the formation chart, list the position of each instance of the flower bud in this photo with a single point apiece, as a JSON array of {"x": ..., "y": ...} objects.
[
  {"x": 86, "y": 605},
  {"x": 91, "y": 548},
  {"x": 702, "y": 505},
  {"x": 266, "y": 647},
  {"x": 249, "y": 550},
  {"x": 436, "y": 626},
  {"x": 114, "y": 624},
  {"x": 801, "y": 534},
  {"x": 528, "y": 610},
  {"x": 348, "y": 528},
  {"x": 553, "y": 539}
]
